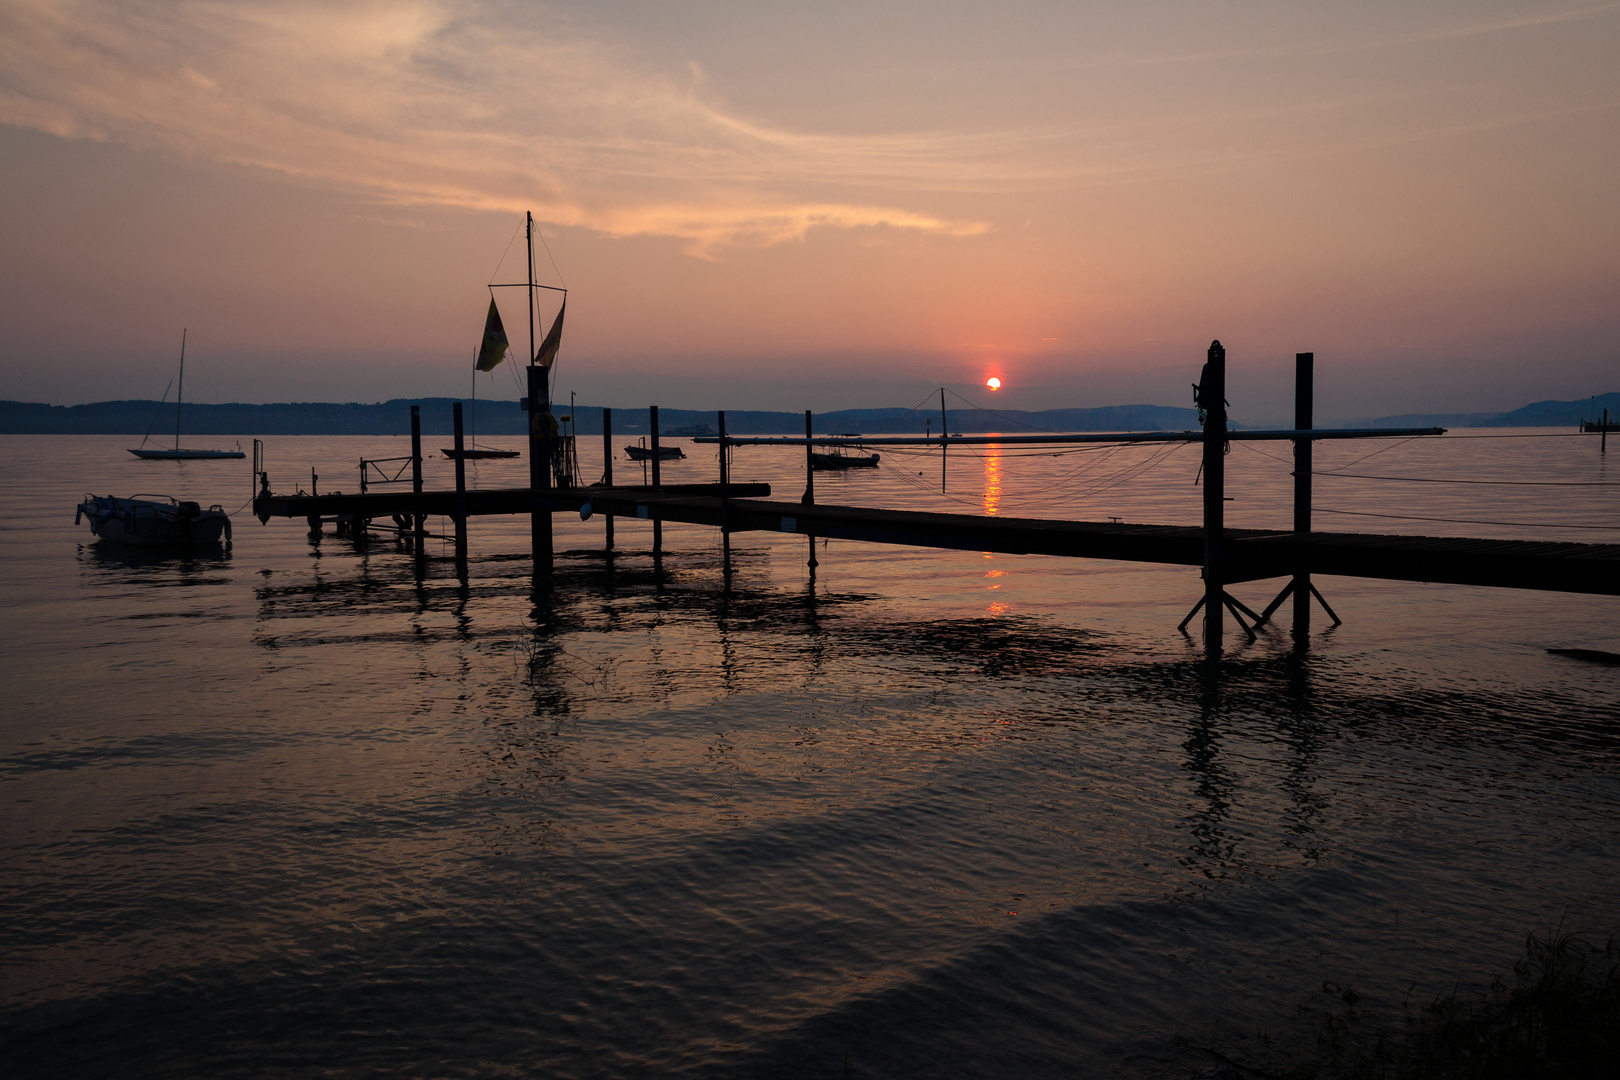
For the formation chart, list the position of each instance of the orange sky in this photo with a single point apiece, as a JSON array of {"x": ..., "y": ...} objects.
[{"x": 790, "y": 206}]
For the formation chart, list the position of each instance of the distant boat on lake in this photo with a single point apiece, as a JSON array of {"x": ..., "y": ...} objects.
[
  {"x": 643, "y": 452},
  {"x": 837, "y": 460},
  {"x": 179, "y": 453}
]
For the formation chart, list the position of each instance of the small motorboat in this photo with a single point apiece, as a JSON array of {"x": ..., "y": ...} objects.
[
  {"x": 837, "y": 460},
  {"x": 643, "y": 452},
  {"x": 154, "y": 521}
]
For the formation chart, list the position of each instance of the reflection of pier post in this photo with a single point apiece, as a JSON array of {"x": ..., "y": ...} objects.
[
  {"x": 607, "y": 473},
  {"x": 461, "y": 486},
  {"x": 1212, "y": 397}
]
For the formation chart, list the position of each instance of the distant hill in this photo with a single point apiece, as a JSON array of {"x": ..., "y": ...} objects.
[{"x": 506, "y": 418}]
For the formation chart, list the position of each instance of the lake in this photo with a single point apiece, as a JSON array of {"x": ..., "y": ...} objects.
[{"x": 335, "y": 809}]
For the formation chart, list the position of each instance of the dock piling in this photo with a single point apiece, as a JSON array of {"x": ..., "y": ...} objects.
[
  {"x": 725, "y": 500},
  {"x": 461, "y": 484},
  {"x": 1211, "y": 398},
  {"x": 607, "y": 473},
  {"x": 541, "y": 431},
  {"x": 809, "y": 498},
  {"x": 419, "y": 521}
]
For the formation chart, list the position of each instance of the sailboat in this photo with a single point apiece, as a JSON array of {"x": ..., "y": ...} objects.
[
  {"x": 179, "y": 454},
  {"x": 495, "y": 345}
]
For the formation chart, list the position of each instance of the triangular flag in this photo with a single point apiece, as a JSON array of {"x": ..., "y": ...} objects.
[
  {"x": 548, "y": 348},
  {"x": 493, "y": 350}
]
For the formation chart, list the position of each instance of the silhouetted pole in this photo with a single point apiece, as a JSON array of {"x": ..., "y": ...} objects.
[
  {"x": 1212, "y": 399},
  {"x": 657, "y": 483},
  {"x": 607, "y": 469},
  {"x": 944, "y": 437},
  {"x": 461, "y": 485},
  {"x": 809, "y": 484},
  {"x": 419, "y": 520},
  {"x": 1304, "y": 395},
  {"x": 540, "y": 543},
  {"x": 725, "y": 501},
  {"x": 1604, "y": 447},
  {"x": 657, "y": 477}
]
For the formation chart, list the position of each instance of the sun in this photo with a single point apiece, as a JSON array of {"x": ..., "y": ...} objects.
[{"x": 993, "y": 383}]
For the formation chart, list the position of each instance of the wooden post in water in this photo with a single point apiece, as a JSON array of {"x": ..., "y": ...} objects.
[
  {"x": 725, "y": 501},
  {"x": 657, "y": 483},
  {"x": 418, "y": 521},
  {"x": 1304, "y": 398},
  {"x": 809, "y": 484},
  {"x": 461, "y": 485},
  {"x": 1212, "y": 399},
  {"x": 1604, "y": 447},
  {"x": 607, "y": 470},
  {"x": 540, "y": 440},
  {"x": 944, "y": 437}
]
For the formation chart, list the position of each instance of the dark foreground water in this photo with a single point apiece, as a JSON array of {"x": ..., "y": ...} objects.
[{"x": 335, "y": 810}]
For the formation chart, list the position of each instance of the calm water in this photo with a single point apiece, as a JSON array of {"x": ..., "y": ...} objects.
[{"x": 330, "y": 810}]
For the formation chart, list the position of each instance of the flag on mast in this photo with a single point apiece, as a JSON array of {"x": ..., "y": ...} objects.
[
  {"x": 493, "y": 350},
  {"x": 547, "y": 352}
]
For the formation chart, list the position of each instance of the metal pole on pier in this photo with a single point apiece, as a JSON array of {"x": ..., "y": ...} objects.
[
  {"x": 1212, "y": 399},
  {"x": 944, "y": 437},
  {"x": 1304, "y": 397},
  {"x": 607, "y": 469},
  {"x": 461, "y": 484}
]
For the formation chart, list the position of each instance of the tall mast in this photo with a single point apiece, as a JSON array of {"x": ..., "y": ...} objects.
[
  {"x": 529, "y": 236},
  {"x": 181, "y": 396}
]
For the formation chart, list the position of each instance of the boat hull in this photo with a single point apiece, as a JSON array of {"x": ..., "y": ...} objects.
[
  {"x": 665, "y": 453},
  {"x": 154, "y": 523},
  {"x": 480, "y": 455},
  {"x": 187, "y": 455},
  {"x": 841, "y": 462}
]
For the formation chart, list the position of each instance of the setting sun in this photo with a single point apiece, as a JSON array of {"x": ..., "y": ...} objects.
[{"x": 993, "y": 383}]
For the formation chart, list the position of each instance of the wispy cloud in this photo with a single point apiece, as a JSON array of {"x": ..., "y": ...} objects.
[{"x": 440, "y": 103}]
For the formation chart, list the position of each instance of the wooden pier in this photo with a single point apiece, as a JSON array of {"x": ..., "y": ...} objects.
[
  {"x": 1251, "y": 554},
  {"x": 1226, "y": 556}
]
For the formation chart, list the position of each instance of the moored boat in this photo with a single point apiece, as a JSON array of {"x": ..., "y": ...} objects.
[
  {"x": 644, "y": 452},
  {"x": 178, "y": 453},
  {"x": 154, "y": 521},
  {"x": 480, "y": 454},
  {"x": 837, "y": 460}
]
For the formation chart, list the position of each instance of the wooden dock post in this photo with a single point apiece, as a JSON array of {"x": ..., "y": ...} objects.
[
  {"x": 657, "y": 482},
  {"x": 1304, "y": 404},
  {"x": 607, "y": 471},
  {"x": 944, "y": 437},
  {"x": 1603, "y": 448},
  {"x": 1211, "y": 398},
  {"x": 809, "y": 498},
  {"x": 541, "y": 427},
  {"x": 461, "y": 484},
  {"x": 725, "y": 501},
  {"x": 418, "y": 521}
]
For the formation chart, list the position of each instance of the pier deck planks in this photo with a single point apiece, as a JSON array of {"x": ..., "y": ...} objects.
[{"x": 1252, "y": 554}]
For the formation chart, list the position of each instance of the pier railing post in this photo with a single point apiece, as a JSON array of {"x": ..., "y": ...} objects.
[
  {"x": 541, "y": 427},
  {"x": 419, "y": 521},
  {"x": 1212, "y": 399},
  {"x": 461, "y": 484},
  {"x": 809, "y": 485},
  {"x": 657, "y": 474},
  {"x": 725, "y": 500},
  {"x": 1304, "y": 397},
  {"x": 607, "y": 469}
]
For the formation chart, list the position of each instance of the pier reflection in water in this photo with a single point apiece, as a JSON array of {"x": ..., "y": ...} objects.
[{"x": 342, "y": 808}]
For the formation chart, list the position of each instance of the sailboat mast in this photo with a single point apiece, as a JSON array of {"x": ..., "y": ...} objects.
[
  {"x": 181, "y": 396},
  {"x": 529, "y": 237}
]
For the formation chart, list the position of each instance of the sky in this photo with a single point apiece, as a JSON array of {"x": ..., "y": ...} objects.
[{"x": 829, "y": 205}]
